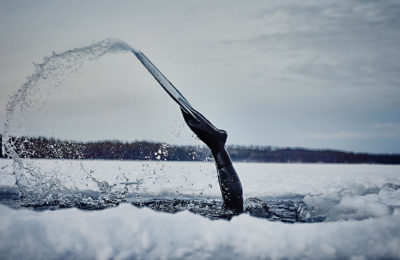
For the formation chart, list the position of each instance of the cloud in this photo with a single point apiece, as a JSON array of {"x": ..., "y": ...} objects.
[
  {"x": 351, "y": 42},
  {"x": 335, "y": 135},
  {"x": 264, "y": 70},
  {"x": 380, "y": 131}
]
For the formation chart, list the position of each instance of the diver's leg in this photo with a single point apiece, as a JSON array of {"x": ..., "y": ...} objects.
[
  {"x": 229, "y": 182},
  {"x": 215, "y": 139}
]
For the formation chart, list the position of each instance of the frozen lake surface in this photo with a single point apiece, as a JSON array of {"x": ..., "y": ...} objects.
[{"x": 293, "y": 211}]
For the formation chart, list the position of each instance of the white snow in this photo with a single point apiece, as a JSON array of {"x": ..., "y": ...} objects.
[
  {"x": 361, "y": 204},
  {"x": 128, "y": 232}
]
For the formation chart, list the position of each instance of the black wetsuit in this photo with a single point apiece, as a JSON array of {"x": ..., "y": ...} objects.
[{"x": 215, "y": 139}]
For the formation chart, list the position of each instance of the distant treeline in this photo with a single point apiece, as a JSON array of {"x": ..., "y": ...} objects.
[
  {"x": 40, "y": 147},
  {"x": 49, "y": 148}
]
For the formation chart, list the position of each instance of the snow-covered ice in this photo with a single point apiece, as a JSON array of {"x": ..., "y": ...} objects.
[{"x": 360, "y": 205}]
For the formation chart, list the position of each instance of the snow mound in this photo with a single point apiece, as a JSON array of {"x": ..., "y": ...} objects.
[{"x": 128, "y": 232}]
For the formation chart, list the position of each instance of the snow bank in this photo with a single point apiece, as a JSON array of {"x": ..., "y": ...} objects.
[{"x": 128, "y": 232}]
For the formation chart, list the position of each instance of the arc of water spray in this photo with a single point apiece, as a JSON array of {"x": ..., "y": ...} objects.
[
  {"x": 50, "y": 73},
  {"x": 52, "y": 68}
]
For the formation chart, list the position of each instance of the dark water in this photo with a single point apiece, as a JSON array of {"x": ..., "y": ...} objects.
[
  {"x": 279, "y": 210},
  {"x": 283, "y": 210}
]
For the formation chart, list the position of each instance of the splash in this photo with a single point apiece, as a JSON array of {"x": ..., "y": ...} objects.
[{"x": 32, "y": 181}]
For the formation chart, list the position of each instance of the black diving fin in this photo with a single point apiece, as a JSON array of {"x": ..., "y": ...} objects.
[{"x": 166, "y": 84}]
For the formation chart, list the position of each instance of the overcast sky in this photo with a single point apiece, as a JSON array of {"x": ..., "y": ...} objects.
[{"x": 316, "y": 74}]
